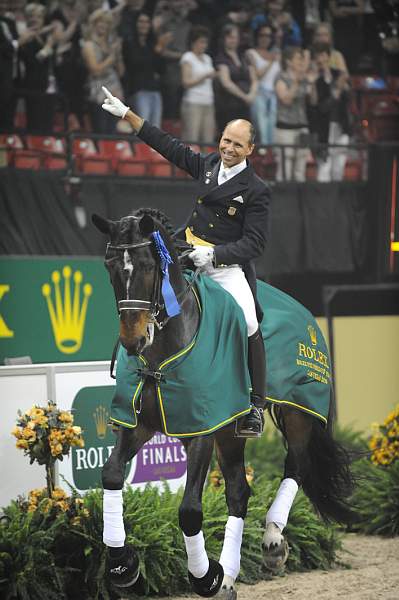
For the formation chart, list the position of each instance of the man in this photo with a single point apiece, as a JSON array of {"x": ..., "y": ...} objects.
[{"x": 228, "y": 226}]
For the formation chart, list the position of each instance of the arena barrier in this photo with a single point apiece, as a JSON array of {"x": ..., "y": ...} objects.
[{"x": 87, "y": 389}]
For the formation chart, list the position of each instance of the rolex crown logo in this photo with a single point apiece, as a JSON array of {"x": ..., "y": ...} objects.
[
  {"x": 313, "y": 335},
  {"x": 100, "y": 417},
  {"x": 68, "y": 310}
]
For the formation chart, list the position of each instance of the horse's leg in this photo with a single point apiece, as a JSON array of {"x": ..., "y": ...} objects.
[
  {"x": 205, "y": 575},
  {"x": 230, "y": 452},
  {"x": 122, "y": 561},
  {"x": 296, "y": 427}
]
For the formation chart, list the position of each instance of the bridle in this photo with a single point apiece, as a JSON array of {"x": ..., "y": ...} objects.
[{"x": 155, "y": 305}]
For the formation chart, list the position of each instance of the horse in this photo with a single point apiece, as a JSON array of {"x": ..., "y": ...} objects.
[{"x": 159, "y": 316}]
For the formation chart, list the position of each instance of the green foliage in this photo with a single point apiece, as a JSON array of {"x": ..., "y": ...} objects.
[
  {"x": 48, "y": 556},
  {"x": 376, "y": 498}
]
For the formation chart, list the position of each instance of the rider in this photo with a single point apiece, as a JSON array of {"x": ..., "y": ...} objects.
[{"x": 228, "y": 226}]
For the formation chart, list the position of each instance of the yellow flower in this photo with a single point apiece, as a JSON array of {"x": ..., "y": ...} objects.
[
  {"x": 58, "y": 494},
  {"x": 63, "y": 505},
  {"x": 56, "y": 449},
  {"x": 36, "y": 412},
  {"x": 29, "y": 434},
  {"x": 75, "y": 521},
  {"x": 22, "y": 444},
  {"x": 76, "y": 429},
  {"x": 65, "y": 417},
  {"x": 17, "y": 432}
]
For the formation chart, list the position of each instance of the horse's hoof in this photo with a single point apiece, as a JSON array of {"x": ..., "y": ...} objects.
[
  {"x": 123, "y": 571},
  {"x": 208, "y": 585},
  {"x": 275, "y": 556},
  {"x": 227, "y": 591}
]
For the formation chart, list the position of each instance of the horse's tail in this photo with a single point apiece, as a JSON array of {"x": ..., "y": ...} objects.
[{"x": 327, "y": 479}]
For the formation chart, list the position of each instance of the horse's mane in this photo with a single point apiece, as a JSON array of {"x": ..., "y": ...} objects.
[{"x": 158, "y": 215}]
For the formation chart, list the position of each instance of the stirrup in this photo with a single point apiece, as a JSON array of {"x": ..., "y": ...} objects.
[{"x": 250, "y": 434}]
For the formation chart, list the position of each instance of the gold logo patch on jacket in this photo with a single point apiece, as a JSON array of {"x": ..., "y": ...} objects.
[{"x": 232, "y": 211}]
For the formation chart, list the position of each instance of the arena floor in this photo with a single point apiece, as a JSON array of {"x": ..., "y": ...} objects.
[{"x": 374, "y": 574}]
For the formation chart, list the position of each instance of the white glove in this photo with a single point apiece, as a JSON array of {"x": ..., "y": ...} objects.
[
  {"x": 113, "y": 105},
  {"x": 202, "y": 255}
]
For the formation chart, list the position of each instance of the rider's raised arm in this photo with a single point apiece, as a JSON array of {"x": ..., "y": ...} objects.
[{"x": 171, "y": 148}]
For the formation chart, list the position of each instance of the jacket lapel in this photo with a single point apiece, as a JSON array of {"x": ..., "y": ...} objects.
[{"x": 232, "y": 187}]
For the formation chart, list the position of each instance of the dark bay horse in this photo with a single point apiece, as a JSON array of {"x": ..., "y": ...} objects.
[{"x": 136, "y": 266}]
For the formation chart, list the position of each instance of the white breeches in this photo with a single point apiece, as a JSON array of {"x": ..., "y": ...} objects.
[{"x": 233, "y": 280}]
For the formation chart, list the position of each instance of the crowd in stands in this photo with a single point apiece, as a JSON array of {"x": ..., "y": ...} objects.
[{"x": 287, "y": 66}]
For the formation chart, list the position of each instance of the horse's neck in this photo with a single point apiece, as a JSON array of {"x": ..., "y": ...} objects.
[{"x": 177, "y": 333}]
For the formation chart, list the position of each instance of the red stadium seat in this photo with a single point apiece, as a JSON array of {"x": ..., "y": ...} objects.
[
  {"x": 11, "y": 144},
  {"x": 123, "y": 161},
  {"x": 28, "y": 159},
  {"x": 53, "y": 149},
  {"x": 156, "y": 164},
  {"x": 88, "y": 160}
]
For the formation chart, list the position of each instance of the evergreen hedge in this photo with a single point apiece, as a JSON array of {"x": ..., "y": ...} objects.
[{"x": 49, "y": 555}]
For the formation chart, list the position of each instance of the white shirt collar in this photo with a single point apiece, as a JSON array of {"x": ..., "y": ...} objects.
[{"x": 230, "y": 171}]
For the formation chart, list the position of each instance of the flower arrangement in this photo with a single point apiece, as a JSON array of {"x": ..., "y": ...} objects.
[
  {"x": 216, "y": 478},
  {"x": 58, "y": 502},
  {"x": 384, "y": 442},
  {"x": 45, "y": 434}
]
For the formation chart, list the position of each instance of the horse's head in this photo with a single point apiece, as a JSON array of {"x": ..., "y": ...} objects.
[{"x": 134, "y": 265}]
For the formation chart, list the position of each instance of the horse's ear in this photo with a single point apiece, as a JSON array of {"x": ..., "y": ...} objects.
[
  {"x": 104, "y": 225},
  {"x": 146, "y": 225}
]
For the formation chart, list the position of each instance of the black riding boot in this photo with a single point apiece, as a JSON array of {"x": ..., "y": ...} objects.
[{"x": 252, "y": 423}]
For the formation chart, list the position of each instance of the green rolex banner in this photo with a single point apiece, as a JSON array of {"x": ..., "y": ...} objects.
[{"x": 56, "y": 310}]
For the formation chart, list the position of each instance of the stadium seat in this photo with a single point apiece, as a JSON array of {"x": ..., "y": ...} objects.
[
  {"x": 88, "y": 160},
  {"x": 122, "y": 158},
  {"x": 11, "y": 144},
  {"x": 28, "y": 159},
  {"x": 52, "y": 149},
  {"x": 156, "y": 164}
]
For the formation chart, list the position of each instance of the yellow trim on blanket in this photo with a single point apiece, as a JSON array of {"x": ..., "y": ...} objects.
[{"x": 308, "y": 410}]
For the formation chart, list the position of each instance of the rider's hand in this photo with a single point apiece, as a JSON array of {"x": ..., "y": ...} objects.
[
  {"x": 113, "y": 105},
  {"x": 202, "y": 256}
]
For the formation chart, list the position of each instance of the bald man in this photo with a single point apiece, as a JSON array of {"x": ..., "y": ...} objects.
[{"x": 228, "y": 226}]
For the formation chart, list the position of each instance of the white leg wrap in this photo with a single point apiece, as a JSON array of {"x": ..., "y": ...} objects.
[
  {"x": 114, "y": 530},
  {"x": 197, "y": 558},
  {"x": 231, "y": 553},
  {"x": 280, "y": 509}
]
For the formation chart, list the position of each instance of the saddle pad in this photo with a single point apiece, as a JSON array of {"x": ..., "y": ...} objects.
[
  {"x": 204, "y": 386},
  {"x": 297, "y": 359}
]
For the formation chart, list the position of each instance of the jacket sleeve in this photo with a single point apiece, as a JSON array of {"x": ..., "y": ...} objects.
[
  {"x": 172, "y": 149},
  {"x": 255, "y": 233}
]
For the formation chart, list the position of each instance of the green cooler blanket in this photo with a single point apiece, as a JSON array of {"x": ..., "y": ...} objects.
[{"x": 205, "y": 385}]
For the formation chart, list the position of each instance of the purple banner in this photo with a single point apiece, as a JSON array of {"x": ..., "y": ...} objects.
[{"x": 162, "y": 457}]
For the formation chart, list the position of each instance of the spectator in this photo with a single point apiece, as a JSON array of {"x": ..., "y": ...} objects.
[
  {"x": 237, "y": 85},
  {"x": 347, "y": 27},
  {"x": 265, "y": 59},
  {"x": 323, "y": 35},
  {"x": 69, "y": 69},
  {"x": 288, "y": 32},
  {"x": 198, "y": 104},
  {"x": 295, "y": 86},
  {"x": 171, "y": 17},
  {"x": 128, "y": 18},
  {"x": 142, "y": 58},
  {"x": 330, "y": 117},
  {"x": 103, "y": 59},
  {"x": 36, "y": 55},
  {"x": 8, "y": 70}
]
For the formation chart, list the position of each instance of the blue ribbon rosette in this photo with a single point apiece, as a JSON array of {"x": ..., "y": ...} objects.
[{"x": 172, "y": 306}]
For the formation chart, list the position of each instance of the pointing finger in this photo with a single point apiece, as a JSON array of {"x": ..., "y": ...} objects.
[{"x": 107, "y": 92}]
